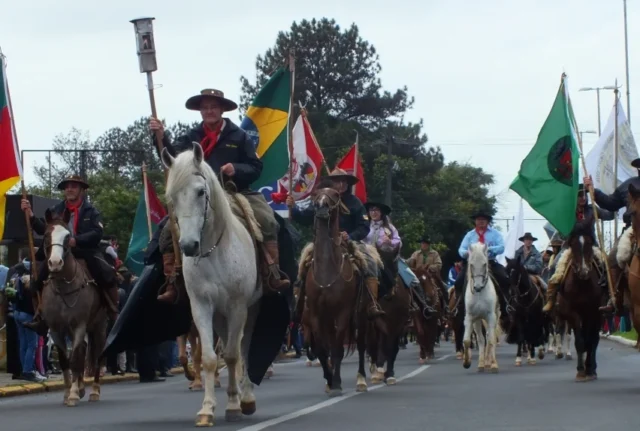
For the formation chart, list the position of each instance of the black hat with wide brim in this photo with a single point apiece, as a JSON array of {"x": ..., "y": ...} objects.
[
  {"x": 73, "y": 179},
  {"x": 527, "y": 236},
  {"x": 384, "y": 209},
  {"x": 635, "y": 163},
  {"x": 193, "y": 103},
  {"x": 341, "y": 175},
  {"x": 481, "y": 213}
]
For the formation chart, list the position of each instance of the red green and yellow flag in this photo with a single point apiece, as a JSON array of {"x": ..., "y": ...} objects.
[{"x": 10, "y": 167}]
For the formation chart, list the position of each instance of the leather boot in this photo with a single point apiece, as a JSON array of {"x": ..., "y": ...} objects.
[
  {"x": 276, "y": 280},
  {"x": 37, "y": 324},
  {"x": 551, "y": 297},
  {"x": 170, "y": 294},
  {"x": 112, "y": 308},
  {"x": 374, "y": 308}
]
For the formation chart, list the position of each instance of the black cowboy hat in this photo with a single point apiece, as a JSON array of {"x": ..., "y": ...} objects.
[
  {"x": 482, "y": 213},
  {"x": 635, "y": 163},
  {"x": 527, "y": 236},
  {"x": 73, "y": 179},
  {"x": 341, "y": 174},
  {"x": 193, "y": 103},
  {"x": 384, "y": 209},
  {"x": 425, "y": 238}
]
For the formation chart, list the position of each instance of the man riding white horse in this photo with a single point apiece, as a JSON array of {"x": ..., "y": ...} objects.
[
  {"x": 230, "y": 152},
  {"x": 485, "y": 234}
]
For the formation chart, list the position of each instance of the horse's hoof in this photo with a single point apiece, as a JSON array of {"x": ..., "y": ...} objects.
[
  {"x": 72, "y": 402},
  {"x": 391, "y": 381},
  {"x": 248, "y": 408},
  {"x": 518, "y": 363},
  {"x": 198, "y": 386},
  {"x": 204, "y": 421},
  {"x": 466, "y": 365},
  {"x": 494, "y": 369},
  {"x": 361, "y": 387},
  {"x": 531, "y": 361},
  {"x": 308, "y": 363},
  {"x": 422, "y": 361},
  {"x": 335, "y": 393},
  {"x": 94, "y": 398},
  {"x": 327, "y": 389},
  {"x": 458, "y": 355},
  {"x": 581, "y": 376},
  {"x": 591, "y": 377},
  {"x": 559, "y": 355},
  {"x": 541, "y": 354},
  {"x": 233, "y": 415},
  {"x": 481, "y": 369},
  {"x": 568, "y": 357},
  {"x": 317, "y": 363},
  {"x": 375, "y": 380}
]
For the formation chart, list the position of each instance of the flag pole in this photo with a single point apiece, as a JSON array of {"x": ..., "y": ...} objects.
[
  {"x": 146, "y": 198},
  {"x": 147, "y": 61},
  {"x": 616, "y": 150},
  {"x": 591, "y": 193},
  {"x": 291, "y": 62},
  {"x": 32, "y": 250},
  {"x": 355, "y": 162}
]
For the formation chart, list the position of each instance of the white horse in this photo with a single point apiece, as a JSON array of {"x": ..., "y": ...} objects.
[
  {"x": 481, "y": 304},
  {"x": 220, "y": 274}
]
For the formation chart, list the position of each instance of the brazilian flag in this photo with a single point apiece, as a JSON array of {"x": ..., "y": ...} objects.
[{"x": 266, "y": 123}]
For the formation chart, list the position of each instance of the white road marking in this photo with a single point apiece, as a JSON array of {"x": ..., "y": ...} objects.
[
  {"x": 444, "y": 357},
  {"x": 327, "y": 403}
]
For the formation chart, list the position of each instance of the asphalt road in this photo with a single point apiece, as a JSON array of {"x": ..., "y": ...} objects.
[{"x": 438, "y": 396}]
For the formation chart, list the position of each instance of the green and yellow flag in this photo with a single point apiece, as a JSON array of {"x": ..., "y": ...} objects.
[
  {"x": 266, "y": 123},
  {"x": 548, "y": 176}
]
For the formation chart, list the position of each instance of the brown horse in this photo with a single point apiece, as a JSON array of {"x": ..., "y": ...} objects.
[
  {"x": 72, "y": 307},
  {"x": 428, "y": 321},
  {"x": 334, "y": 294},
  {"x": 195, "y": 376},
  {"x": 383, "y": 345},
  {"x": 579, "y": 299},
  {"x": 633, "y": 272}
]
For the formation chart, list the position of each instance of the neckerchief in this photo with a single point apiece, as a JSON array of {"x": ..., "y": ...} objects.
[
  {"x": 75, "y": 210},
  {"x": 481, "y": 235},
  {"x": 210, "y": 139}
]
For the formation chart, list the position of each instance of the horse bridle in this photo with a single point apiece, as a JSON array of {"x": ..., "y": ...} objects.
[
  {"x": 485, "y": 278},
  {"x": 335, "y": 203},
  {"x": 65, "y": 252}
]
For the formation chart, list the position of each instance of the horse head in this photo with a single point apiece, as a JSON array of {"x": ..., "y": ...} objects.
[
  {"x": 518, "y": 275},
  {"x": 478, "y": 266},
  {"x": 56, "y": 239},
  {"x": 581, "y": 242},
  {"x": 428, "y": 283},
  {"x": 327, "y": 203},
  {"x": 197, "y": 198}
]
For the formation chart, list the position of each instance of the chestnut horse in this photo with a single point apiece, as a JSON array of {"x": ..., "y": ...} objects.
[
  {"x": 335, "y": 301},
  {"x": 73, "y": 307},
  {"x": 580, "y": 296},
  {"x": 631, "y": 242}
]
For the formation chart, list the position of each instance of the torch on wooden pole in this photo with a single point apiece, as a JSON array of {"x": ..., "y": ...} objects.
[{"x": 147, "y": 61}]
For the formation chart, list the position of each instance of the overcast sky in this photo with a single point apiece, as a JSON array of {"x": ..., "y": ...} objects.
[{"x": 484, "y": 73}]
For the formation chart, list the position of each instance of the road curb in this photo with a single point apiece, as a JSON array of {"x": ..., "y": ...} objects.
[
  {"x": 620, "y": 340},
  {"x": 58, "y": 385}
]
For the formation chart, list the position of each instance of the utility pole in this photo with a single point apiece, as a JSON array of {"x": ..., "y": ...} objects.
[{"x": 388, "y": 190}]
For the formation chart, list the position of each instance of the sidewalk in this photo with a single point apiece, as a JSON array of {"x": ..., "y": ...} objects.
[{"x": 12, "y": 388}]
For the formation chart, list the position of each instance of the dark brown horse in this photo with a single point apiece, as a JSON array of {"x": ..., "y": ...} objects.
[
  {"x": 73, "y": 307},
  {"x": 334, "y": 295},
  {"x": 383, "y": 345},
  {"x": 580, "y": 297},
  {"x": 430, "y": 319},
  {"x": 527, "y": 300}
]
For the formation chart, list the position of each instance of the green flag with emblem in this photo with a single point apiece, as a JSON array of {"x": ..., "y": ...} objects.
[{"x": 548, "y": 176}]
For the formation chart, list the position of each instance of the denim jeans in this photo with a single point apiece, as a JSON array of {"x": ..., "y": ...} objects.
[{"x": 28, "y": 340}]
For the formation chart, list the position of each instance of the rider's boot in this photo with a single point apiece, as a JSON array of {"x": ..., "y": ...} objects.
[
  {"x": 603, "y": 283},
  {"x": 277, "y": 282},
  {"x": 374, "y": 308},
  {"x": 552, "y": 290},
  {"x": 170, "y": 294},
  {"x": 37, "y": 324}
]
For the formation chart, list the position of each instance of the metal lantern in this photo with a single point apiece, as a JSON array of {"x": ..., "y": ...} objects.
[{"x": 145, "y": 44}]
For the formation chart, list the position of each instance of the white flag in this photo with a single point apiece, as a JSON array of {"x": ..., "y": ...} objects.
[
  {"x": 511, "y": 242},
  {"x": 599, "y": 160}
]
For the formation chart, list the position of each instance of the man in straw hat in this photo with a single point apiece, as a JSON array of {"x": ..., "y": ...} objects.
[
  {"x": 615, "y": 202},
  {"x": 227, "y": 149},
  {"x": 354, "y": 226},
  {"x": 584, "y": 211},
  {"x": 86, "y": 230}
]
